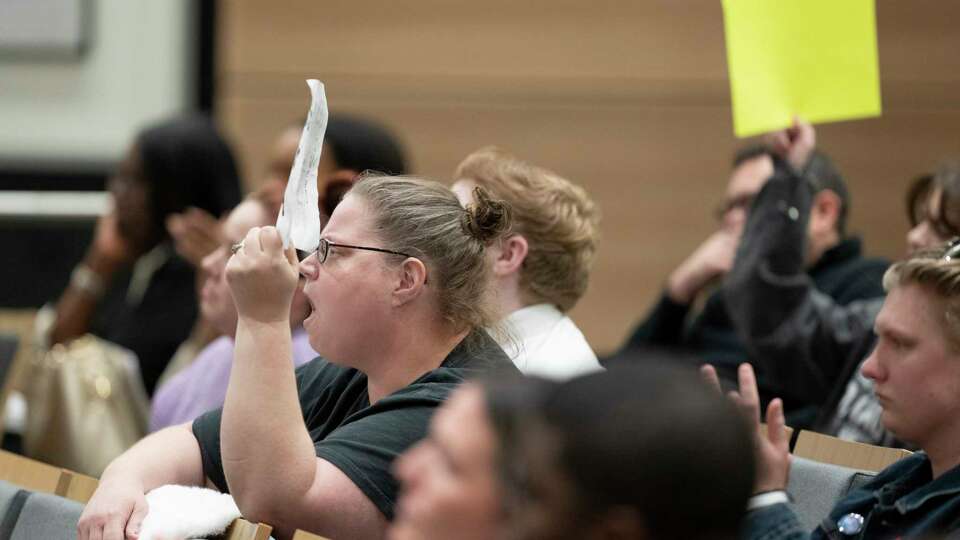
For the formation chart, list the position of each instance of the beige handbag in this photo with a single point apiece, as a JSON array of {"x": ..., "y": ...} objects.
[{"x": 86, "y": 405}]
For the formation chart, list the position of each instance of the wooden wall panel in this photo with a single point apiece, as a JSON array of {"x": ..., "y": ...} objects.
[
  {"x": 506, "y": 38},
  {"x": 629, "y": 99}
]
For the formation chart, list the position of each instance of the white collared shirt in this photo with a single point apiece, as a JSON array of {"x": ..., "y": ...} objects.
[{"x": 542, "y": 341}]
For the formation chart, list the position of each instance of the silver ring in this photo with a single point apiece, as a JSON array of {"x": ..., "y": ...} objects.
[{"x": 236, "y": 247}]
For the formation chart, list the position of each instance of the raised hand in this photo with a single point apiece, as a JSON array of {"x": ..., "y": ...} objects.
[
  {"x": 110, "y": 249},
  {"x": 772, "y": 446},
  {"x": 263, "y": 277},
  {"x": 711, "y": 261},
  {"x": 195, "y": 234},
  {"x": 794, "y": 144}
]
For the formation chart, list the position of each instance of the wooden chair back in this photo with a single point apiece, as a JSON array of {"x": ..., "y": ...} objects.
[
  {"x": 788, "y": 429},
  {"x": 304, "y": 535},
  {"x": 80, "y": 487},
  {"x": 44, "y": 478},
  {"x": 242, "y": 529},
  {"x": 827, "y": 449}
]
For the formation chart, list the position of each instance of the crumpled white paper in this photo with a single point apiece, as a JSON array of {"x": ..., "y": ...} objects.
[{"x": 299, "y": 219}]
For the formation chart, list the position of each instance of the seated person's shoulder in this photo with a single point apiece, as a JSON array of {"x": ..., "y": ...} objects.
[{"x": 476, "y": 356}]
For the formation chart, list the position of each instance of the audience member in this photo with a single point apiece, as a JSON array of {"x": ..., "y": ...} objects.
[
  {"x": 202, "y": 386},
  {"x": 360, "y": 144},
  {"x": 831, "y": 260},
  {"x": 806, "y": 341},
  {"x": 617, "y": 455},
  {"x": 131, "y": 288},
  {"x": 933, "y": 205},
  {"x": 395, "y": 291},
  {"x": 542, "y": 267},
  {"x": 915, "y": 371}
]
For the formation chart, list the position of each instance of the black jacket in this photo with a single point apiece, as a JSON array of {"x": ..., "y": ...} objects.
[
  {"x": 809, "y": 344},
  {"x": 842, "y": 275}
]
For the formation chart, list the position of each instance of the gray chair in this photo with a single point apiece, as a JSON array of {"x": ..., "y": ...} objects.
[
  {"x": 7, "y": 493},
  {"x": 48, "y": 517},
  {"x": 816, "y": 487},
  {"x": 12, "y": 498}
]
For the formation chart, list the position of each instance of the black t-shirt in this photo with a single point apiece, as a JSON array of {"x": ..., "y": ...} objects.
[{"x": 360, "y": 439}]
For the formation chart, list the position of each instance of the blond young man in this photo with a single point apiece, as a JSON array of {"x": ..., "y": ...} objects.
[
  {"x": 915, "y": 371},
  {"x": 542, "y": 267}
]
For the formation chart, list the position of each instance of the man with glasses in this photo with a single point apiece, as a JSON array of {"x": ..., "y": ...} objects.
[{"x": 832, "y": 260}]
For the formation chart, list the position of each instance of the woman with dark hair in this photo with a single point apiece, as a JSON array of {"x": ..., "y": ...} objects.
[
  {"x": 131, "y": 288},
  {"x": 622, "y": 454},
  {"x": 933, "y": 207},
  {"x": 354, "y": 145}
]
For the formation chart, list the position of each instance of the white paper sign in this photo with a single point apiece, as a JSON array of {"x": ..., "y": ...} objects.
[{"x": 299, "y": 219}]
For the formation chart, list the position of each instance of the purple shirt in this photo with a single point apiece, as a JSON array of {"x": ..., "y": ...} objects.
[{"x": 202, "y": 386}]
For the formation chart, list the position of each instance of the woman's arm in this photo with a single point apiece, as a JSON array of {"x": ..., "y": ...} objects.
[
  {"x": 268, "y": 456},
  {"x": 76, "y": 305},
  {"x": 169, "y": 456}
]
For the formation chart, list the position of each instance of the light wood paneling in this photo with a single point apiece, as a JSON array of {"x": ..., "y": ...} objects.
[{"x": 629, "y": 99}]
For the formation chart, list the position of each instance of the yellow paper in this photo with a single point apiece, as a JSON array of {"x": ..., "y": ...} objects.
[{"x": 812, "y": 58}]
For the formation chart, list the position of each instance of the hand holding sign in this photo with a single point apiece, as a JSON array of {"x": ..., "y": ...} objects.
[{"x": 795, "y": 144}]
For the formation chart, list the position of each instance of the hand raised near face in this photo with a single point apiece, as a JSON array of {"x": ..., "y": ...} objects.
[
  {"x": 771, "y": 446},
  {"x": 195, "y": 234},
  {"x": 712, "y": 260},
  {"x": 109, "y": 249},
  {"x": 263, "y": 277}
]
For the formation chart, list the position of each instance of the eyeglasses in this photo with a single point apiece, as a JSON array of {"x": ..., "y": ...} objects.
[
  {"x": 951, "y": 251},
  {"x": 323, "y": 250}
]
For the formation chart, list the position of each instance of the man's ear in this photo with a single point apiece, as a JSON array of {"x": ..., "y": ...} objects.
[
  {"x": 510, "y": 254},
  {"x": 825, "y": 212},
  {"x": 411, "y": 282}
]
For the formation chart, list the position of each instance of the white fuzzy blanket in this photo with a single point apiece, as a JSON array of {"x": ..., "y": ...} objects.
[{"x": 179, "y": 512}]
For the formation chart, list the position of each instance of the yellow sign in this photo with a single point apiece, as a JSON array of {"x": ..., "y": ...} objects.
[{"x": 812, "y": 58}]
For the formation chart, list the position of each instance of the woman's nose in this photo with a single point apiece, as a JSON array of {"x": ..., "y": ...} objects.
[
  {"x": 918, "y": 237},
  {"x": 309, "y": 267}
]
